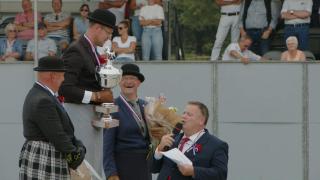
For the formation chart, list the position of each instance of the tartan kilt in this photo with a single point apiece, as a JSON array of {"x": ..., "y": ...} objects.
[{"x": 40, "y": 160}]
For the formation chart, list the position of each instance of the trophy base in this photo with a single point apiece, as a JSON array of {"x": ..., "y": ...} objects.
[
  {"x": 107, "y": 108},
  {"x": 105, "y": 123}
]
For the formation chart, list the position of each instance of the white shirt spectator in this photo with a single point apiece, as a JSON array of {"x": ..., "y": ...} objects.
[
  {"x": 299, "y": 5},
  {"x": 151, "y": 12},
  {"x": 118, "y": 12},
  {"x": 235, "y": 47},
  {"x": 125, "y": 45}
]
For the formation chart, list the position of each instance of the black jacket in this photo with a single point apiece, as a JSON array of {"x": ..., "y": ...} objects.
[
  {"x": 81, "y": 71},
  {"x": 44, "y": 119}
]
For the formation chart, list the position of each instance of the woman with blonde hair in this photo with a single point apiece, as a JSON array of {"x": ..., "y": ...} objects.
[
  {"x": 293, "y": 53},
  {"x": 124, "y": 45},
  {"x": 10, "y": 47}
]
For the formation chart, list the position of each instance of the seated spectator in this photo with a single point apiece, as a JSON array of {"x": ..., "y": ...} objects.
[
  {"x": 58, "y": 24},
  {"x": 240, "y": 51},
  {"x": 296, "y": 15},
  {"x": 81, "y": 24},
  {"x": 24, "y": 21},
  {"x": 46, "y": 46},
  {"x": 151, "y": 17},
  {"x": 135, "y": 6},
  {"x": 124, "y": 45},
  {"x": 10, "y": 47},
  {"x": 293, "y": 53}
]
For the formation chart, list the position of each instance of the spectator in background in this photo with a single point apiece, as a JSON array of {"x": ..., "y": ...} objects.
[
  {"x": 58, "y": 24},
  {"x": 10, "y": 47},
  {"x": 151, "y": 17},
  {"x": 25, "y": 21},
  {"x": 229, "y": 20},
  {"x": 258, "y": 19},
  {"x": 46, "y": 46},
  {"x": 315, "y": 22},
  {"x": 124, "y": 45},
  {"x": 240, "y": 51},
  {"x": 117, "y": 7},
  {"x": 81, "y": 24},
  {"x": 296, "y": 14},
  {"x": 136, "y": 6},
  {"x": 293, "y": 53}
]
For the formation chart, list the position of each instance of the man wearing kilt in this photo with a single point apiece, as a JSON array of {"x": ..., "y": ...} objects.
[{"x": 50, "y": 148}]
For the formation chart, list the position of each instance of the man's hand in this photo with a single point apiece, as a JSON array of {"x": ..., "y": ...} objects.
[
  {"x": 104, "y": 96},
  {"x": 114, "y": 177},
  {"x": 266, "y": 34},
  {"x": 244, "y": 60},
  {"x": 186, "y": 169},
  {"x": 166, "y": 140}
]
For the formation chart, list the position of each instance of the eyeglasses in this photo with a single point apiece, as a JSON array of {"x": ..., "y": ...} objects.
[
  {"x": 12, "y": 31},
  {"x": 85, "y": 10},
  {"x": 106, "y": 30}
]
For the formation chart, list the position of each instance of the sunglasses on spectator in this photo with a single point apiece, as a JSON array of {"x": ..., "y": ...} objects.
[
  {"x": 85, "y": 10},
  {"x": 12, "y": 31},
  {"x": 120, "y": 28}
]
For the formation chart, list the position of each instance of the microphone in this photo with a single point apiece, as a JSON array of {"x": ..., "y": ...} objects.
[{"x": 175, "y": 131}]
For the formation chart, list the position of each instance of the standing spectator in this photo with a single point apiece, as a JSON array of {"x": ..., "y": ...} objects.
[
  {"x": 240, "y": 51},
  {"x": 117, "y": 7},
  {"x": 25, "y": 21},
  {"x": 229, "y": 20},
  {"x": 293, "y": 53},
  {"x": 58, "y": 24},
  {"x": 296, "y": 14},
  {"x": 82, "y": 83},
  {"x": 259, "y": 18},
  {"x": 81, "y": 24},
  {"x": 46, "y": 46},
  {"x": 51, "y": 147},
  {"x": 208, "y": 154},
  {"x": 151, "y": 17},
  {"x": 126, "y": 147},
  {"x": 124, "y": 45},
  {"x": 315, "y": 21},
  {"x": 136, "y": 6},
  {"x": 10, "y": 47}
]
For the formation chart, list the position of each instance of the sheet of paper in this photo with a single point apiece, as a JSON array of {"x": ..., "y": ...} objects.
[{"x": 177, "y": 156}]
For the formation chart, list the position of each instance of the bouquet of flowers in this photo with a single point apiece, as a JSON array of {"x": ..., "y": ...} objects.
[{"x": 160, "y": 119}]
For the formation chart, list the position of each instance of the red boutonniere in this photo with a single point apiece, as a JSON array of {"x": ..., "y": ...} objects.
[
  {"x": 197, "y": 148},
  {"x": 61, "y": 99},
  {"x": 102, "y": 60}
]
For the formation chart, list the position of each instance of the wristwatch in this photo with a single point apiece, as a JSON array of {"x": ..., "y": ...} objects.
[{"x": 291, "y": 12}]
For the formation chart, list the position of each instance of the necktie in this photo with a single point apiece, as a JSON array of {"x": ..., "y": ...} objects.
[
  {"x": 140, "y": 121},
  {"x": 183, "y": 142}
]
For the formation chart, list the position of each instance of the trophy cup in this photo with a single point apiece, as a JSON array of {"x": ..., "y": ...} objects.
[{"x": 109, "y": 78}]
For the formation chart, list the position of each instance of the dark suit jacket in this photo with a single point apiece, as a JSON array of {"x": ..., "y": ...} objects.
[
  {"x": 81, "y": 71},
  {"x": 45, "y": 119},
  {"x": 210, "y": 163},
  {"x": 124, "y": 138}
]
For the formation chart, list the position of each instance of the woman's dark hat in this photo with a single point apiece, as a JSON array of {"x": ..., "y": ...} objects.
[
  {"x": 103, "y": 17},
  {"x": 132, "y": 69},
  {"x": 50, "y": 63}
]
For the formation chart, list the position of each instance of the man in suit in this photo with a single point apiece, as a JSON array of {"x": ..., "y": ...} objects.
[
  {"x": 50, "y": 148},
  {"x": 126, "y": 148},
  {"x": 209, "y": 155},
  {"x": 82, "y": 81}
]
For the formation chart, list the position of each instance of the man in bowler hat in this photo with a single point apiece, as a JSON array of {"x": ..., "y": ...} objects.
[
  {"x": 51, "y": 147},
  {"x": 82, "y": 81},
  {"x": 126, "y": 147}
]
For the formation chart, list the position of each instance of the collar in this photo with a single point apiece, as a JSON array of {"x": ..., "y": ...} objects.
[
  {"x": 93, "y": 48},
  {"x": 196, "y": 136},
  {"x": 46, "y": 87}
]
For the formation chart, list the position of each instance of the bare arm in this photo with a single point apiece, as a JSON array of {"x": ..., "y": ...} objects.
[
  {"x": 223, "y": 2},
  {"x": 128, "y": 50},
  {"x": 52, "y": 26},
  {"x": 111, "y": 4},
  {"x": 244, "y": 60},
  {"x": 29, "y": 56}
]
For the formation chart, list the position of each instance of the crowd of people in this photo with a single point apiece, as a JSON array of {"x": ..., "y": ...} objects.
[
  {"x": 58, "y": 29},
  {"x": 252, "y": 24}
]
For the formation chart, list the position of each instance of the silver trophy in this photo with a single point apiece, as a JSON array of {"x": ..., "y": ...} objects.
[{"x": 109, "y": 78}]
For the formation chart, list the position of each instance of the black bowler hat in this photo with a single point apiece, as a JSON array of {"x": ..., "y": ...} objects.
[
  {"x": 103, "y": 17},
  {"x": 132, "y": 69},
  {"x": 50, "y": 63}
]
